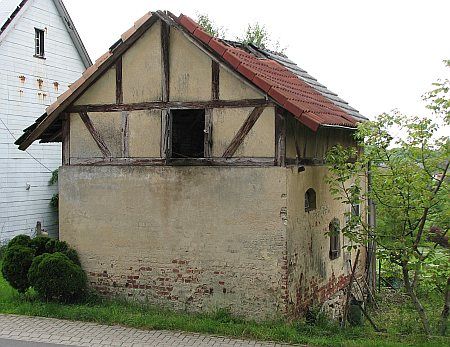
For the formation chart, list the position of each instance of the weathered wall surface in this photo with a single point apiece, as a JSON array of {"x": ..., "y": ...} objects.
[
  {"x": 190, "y": 238},
  {"x": 259, "y": 142},
  {"x": 312, "y": 276},
  {"x": 313, "y": 144}
]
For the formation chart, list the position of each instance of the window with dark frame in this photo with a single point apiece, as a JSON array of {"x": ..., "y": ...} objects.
[
  {"x": 39, "y": 42},
  {"x": 355, "y": 210},
  {"x": 335, "y": 239},
  {"x": 188, "y": 133},
  {"x": 310, "y": 200}
]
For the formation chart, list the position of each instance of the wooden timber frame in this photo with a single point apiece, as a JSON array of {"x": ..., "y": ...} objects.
[{"x": 165, "y": 105}]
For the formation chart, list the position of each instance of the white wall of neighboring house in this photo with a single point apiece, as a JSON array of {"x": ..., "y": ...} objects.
[{"x": 27, "y": 86}]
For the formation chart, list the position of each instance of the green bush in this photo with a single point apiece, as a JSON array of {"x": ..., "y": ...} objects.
[
  {"x": 15, "y": 266},
  {"x": 33, "y": 270},
  {"x": 39, "y": 244},
  {"x": 20, "y": 240},
  {"x": 55, "y": 277},
  {"x": 54, "y": 245},
  {"x": 2, "y": 251},
  {"x": 72, "y": 255}
]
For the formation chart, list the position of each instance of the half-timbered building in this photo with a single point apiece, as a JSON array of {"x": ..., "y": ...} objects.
[{"x": 193, "y": 173}]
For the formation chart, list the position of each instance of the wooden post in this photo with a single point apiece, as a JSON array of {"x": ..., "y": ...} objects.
[
  {"x": 125, "y": 137},
  {"x": 215, "y": 69},
  {"x": 208, "y": 133},
  {"x": 280, "y": 137},
  {"x": 66, "y": 139},
  {"x": 119, "y": 88}
]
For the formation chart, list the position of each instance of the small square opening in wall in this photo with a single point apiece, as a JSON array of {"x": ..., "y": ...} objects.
[
  {"x": 188, "y": 133},
  {"x": 39, "y": 43}
]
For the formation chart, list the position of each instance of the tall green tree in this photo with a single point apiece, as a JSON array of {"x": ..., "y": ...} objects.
[{"x": 410, "y": 189}]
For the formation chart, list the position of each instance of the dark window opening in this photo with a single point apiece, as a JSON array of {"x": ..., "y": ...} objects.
[
  {"x": 310, "y": 200},
  {"x": 188, "y": 133},
  {"x": 335, "y": 239},
  {"x": 355, "y": 210},
  {"x": 39, "y": 43}
]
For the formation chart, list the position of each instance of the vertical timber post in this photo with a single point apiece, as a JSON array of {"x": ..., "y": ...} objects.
[
  {"x": 280, "y": 137},
  {"x": 66, "y": 140},
  {"x": 165, "y": 113}
]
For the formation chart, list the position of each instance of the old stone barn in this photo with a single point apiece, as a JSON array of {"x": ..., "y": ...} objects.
[{"x": 193, "y": 173}]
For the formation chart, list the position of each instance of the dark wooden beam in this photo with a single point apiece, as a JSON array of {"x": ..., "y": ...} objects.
[
  {"x": 256, "y": 162},
  {"x": 207, "y": 145},
  {"x": 243, "y": 131},
  {"x": 305, "y": 161},
  {"x": 66, "y": 139},
  {"x": 280, "y": 137},
  {"x": 165, "y": 40},
  {"x": 119, "y": 88},
  {"x": 95, "y": 134},
  {"x": 125, "y": 134},
  {"x": 166, "y": 136},
  {"x": 215, "y": 69},
  {"x": 161, "y": 105}
]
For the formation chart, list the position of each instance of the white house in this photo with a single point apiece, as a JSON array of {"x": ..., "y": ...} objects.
[{"x": 41, "y": 54}]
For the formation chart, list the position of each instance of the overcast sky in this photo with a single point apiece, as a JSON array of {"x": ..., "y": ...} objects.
[{"x": 377, "y": 55}]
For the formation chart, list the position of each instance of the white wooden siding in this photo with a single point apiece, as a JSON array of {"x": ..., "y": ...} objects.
[{"x": 21, "y": 102}]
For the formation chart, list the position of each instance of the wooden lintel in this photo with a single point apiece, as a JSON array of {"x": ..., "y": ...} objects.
[
  {"x": 257, "y": 162},
  {"x": 119, "y": 88},
  {"x": 280, "y": 137},
  {"x": 243, "y": 131},
  {"x": 95, "y": 134},
  {"x": 165, "y": 39},
  {"x": 161, "y": 105},
  {"x": 215, "y": 70}
]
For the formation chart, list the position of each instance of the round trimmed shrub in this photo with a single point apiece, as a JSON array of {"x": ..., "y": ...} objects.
[
  {"x": 55, "y": 277},
  {"x": 16, "y": 264},
  {"x": 33, "y": 271},
  {"x": 20, "y": 240},
  {"x": 54, "y": 245},
  {"x": 39, "y": 244},
  {"x": 72, "y": 255}
]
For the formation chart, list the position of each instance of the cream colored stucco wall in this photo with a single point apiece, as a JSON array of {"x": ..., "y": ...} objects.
[
  {"x": 232, "y": 88},
  {"x": 312, "y": 275},
  {"x": 314, "y": 144},
  {"x": 108, "y": 125},
  {"x": 189, "y": 238},
  {"x": 145, "y": 134},
  {"x": 259, "y": 142},
  {"x": 103, "y": 91},
  {"x": 190, "y": 70},
  {"x": 141, "y": 66}
]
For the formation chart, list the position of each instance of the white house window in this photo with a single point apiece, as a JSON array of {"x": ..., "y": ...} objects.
[
  {"x": 310, "y": 200},
  {"x": 188, "y": 131},
  {"x": 39, "y": 43}
]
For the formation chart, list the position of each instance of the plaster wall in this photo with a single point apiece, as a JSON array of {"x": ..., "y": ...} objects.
[
  {"x": 260, "y": 141},
  {"x": 189, "y": 238},
  {"x": 312, "y": 276}
]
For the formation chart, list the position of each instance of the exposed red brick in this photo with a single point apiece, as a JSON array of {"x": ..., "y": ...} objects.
[
  {"x": 203, "y": 36},
  {"x": 187, "y": 22}
]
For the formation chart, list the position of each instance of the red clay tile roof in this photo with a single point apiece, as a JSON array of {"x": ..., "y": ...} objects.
[{"x": 306, "y": 104}]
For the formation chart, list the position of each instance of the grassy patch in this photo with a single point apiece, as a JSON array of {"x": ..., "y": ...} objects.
[{"x": 325, "y": 333}]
